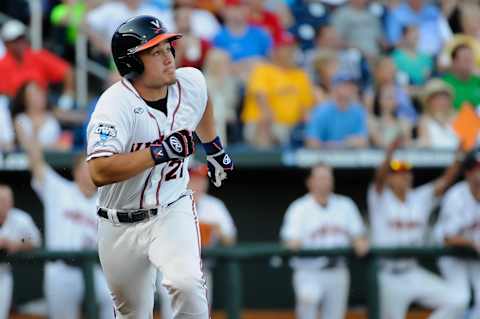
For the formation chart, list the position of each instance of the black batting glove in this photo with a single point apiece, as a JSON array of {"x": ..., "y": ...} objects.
[
  {"x": 219, "y": 163},
  {"x": 177, "y": 145}
]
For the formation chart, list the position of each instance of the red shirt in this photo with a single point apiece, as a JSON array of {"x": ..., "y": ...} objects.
[
  {"x": 269, "y": 21},
  {"x": 198, "y": 62},
  {"x": 40, "y": 66}
]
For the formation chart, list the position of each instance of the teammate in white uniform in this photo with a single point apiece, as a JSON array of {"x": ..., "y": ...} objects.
[
  {"x": 70, "y": 225},
  {"x": 216, "y": 228},
  {"x": 322, "y": 219},
  {"x": 399, "y": 218},
  {"x": 17, "y": 233},
  {"x": 139, "y": 141},
  {"x": 459, "y": 225}
]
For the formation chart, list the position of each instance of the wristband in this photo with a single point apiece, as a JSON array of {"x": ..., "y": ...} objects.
[{"x": 213, "y": 147}]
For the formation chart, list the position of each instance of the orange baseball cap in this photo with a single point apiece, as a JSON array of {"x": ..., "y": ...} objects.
[{"x": 399, "y": 166}]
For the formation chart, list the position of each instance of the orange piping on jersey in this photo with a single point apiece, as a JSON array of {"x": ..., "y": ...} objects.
[
  {"x": 145, "y": 187},
  {"x": 178, "y": 105},
  {"x": 199, "y": 240},
  {"x": 128, "y": 88}
]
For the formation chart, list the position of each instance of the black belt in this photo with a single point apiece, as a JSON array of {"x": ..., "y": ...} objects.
[
  {"x": 136, "y": 216},
  {"x": 130, "y": 217}
]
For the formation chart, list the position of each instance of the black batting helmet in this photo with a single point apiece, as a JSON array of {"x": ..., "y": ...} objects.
[
  {"x": 472, "y": 159},
  {"x": 135, "y": 35}
]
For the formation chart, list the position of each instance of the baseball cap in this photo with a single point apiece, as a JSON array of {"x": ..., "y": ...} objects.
[
  {"x": 472, "y": 159},
  {"x": 12, "y": 30},
  {"x": 199, "y": 170},
  {"x": 435, "y": 86},
  {"x": 399, "y": 166}
]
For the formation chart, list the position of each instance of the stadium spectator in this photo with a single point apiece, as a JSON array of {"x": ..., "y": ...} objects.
[
  {"x": 245, "y": 43},
  {"x": 325, "y": 66},
  {"x": 204, "y": 23},
  {"x": 18, "y": 233},
  {"x": 435, "y": 125},
  {"x": 341, "y": 121},
  {"x": 192, "y": 50},
  {"x": 225, "y": 97},
  {"x": 385, "y": 73},
  {"x": 22, "y": 64},
  {"x": 264, "y": 18},
  {"x": 322, "y": 219},
  {"x": 31, "y": 115},
  {"x": 104, "y": 20},
  {"x": 465, "y": 84},
  {"x": 383, "y": 123},
  {"x": 216, "y": 229},
  {"x": 350, "y": 60},
  {"x": 279, "y": 95},
  {"x": 433, "y": 27},
  {"x": 7, "y": 134},
  {"x": 70, "y": 225},
  {"x": 358, "y": 27},
  {"x": 458, "y": 227},
  {"x": 470, "y": 22},
  {"x": 399, "y": 216},
  {"x": 415, "y": 65}
]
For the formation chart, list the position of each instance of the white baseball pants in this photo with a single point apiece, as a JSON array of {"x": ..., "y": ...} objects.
[
  {"x": 328, "y": 287},
  {"x": 461, "y": 274},
  {"x": 399, "y": 290},
  {"x": 6, "y": 289},
  {"x": 131, "y": 254},
  {"x": 165, "y": 299},
  {"x": 64, "y": 290}
]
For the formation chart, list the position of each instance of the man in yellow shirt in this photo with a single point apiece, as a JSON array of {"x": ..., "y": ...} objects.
[{"x": 278, "y": 97}]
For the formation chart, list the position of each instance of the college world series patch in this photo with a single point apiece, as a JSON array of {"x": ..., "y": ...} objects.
[{"x": 105, "y": 131}]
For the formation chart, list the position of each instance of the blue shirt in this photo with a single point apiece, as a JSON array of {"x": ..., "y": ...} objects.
[
  {"x": 428, "y": 21},
  {"x": 328, "y": 123},
  {"x": 255, "y": 42}
]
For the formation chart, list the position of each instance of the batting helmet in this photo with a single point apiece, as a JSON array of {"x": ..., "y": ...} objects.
[
  {"x": 135, "y": 35},
  {"x": 472, "y": 159}
]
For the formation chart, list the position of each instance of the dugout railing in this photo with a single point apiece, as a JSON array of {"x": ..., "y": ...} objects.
[{"x": 233, "y": 257}]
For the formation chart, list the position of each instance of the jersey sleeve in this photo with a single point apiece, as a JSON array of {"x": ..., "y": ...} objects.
[
  {"x": 355, "y": 223},
  {"x": 195, "y": 80},
  {"x": 28, "y": 231},
  {"x": 450, "y": 220},
  {"x": 50, "y": 186},
  {"x": 292, "y": 227},
  {"x": 227, "y": 227},
  {"x": 109, "y": 129}
]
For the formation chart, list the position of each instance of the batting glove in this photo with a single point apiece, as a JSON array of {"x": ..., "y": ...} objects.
[
  {"x": 219, "y": 163},
  {"x": 177, "y": 145}
]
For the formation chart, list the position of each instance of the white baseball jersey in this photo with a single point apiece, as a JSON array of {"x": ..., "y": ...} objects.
[
  {"x": 397, "y": 223},
  {"x": 460, "y": 214},
  {"x": 70, "y": 219},
  {"x": 19, "y": 226},
  {"x": 211, "y": 210},
  {"x": 316, "y": 226},
  {"x": 122, "y": 122}
]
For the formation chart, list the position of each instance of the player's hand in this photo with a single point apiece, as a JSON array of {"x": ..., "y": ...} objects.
[
  {"x": 178, "y": 145},
  {"x": 219, "y": 163}
]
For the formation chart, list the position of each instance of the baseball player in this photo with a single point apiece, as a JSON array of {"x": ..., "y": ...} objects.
[
  {"x": 216, "y": 228},
  {"x": 70, "y": 225},
  {"x": 399, "y": 216},
  {"x": 17, "y": 233},
  {"x": 139, "y": 141},
  {"x": 459, "y": 225},
  {"x": 322, "y": 219}
]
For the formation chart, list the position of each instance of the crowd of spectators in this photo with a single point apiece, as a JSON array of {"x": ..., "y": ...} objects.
[{"x": 281, "y": 73}]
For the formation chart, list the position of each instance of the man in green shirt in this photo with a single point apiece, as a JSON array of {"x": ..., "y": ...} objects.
[{"x": 465, "y": 84}]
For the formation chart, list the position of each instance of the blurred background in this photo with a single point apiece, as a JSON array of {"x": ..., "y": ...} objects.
[{"x": 292, "y": 82}]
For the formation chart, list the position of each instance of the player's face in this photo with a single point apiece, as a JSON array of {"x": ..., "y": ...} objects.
[
  {"x": 159, "y": 66},
  {"x": 6, "y": 202},
  {"x": 198, "y": 184},
  {"x": 320, "y": 181},
  {"x": 82, "y": 177},
  {"x": 400, "y": 181}
]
